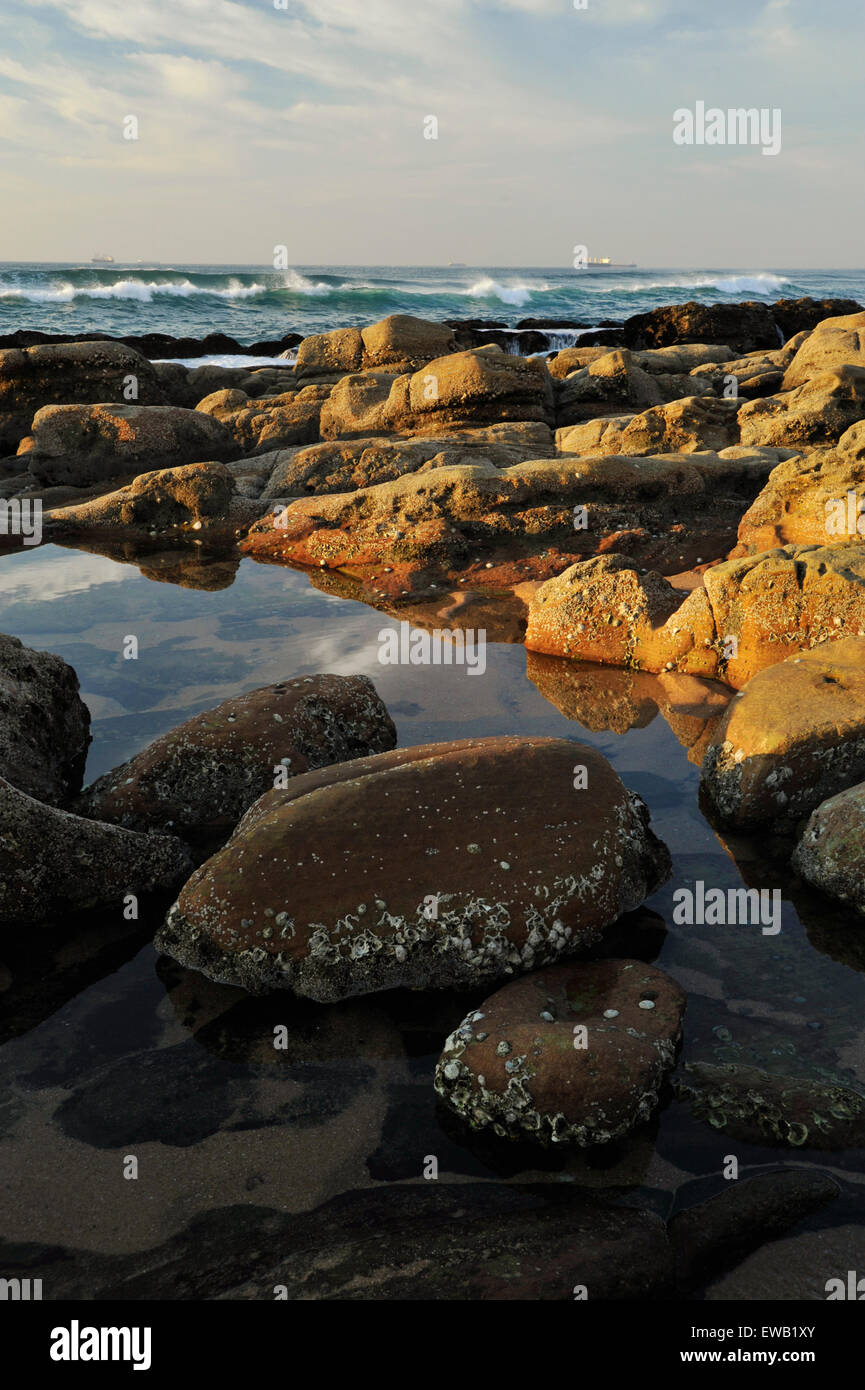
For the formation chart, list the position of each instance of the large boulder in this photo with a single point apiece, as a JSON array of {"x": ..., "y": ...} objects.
[
  {"x": 751, "y": 613},
  {"x": 834, "y": 343},
  {"x": 574, "y": 1054},
  {"x": 831, "y": 852},
  {"x": 445, "y": 865},
  {"x": 53, "y": 862},
  {"x": 325, "y": 354},
  {"x": 85, "y": 444},
  {"x": 44, "y": 723},
  {"x": 198, "y": 780},
  {"x": 401, "y": 343},
  {"x": 479, "y": 387},
  {"x": 69, "y": 374},
  {"x": 793, "y": 737},
  {"x": 746, "y": 326},
  {"x": 816, "y": 413}
]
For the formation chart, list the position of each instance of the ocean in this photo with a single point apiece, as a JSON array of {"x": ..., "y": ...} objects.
[{"x": 251, "y": 303}]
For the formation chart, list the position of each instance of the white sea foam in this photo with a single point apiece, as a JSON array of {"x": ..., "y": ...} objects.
[
  {"x": 762, "y": 282},
  {"x": 145, "y": 291},
  {"x": 487, "y": 288}
]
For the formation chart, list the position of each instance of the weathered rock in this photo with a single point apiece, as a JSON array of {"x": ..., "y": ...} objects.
[
  {"x": 262, "y": 424},
  {"x": 68, "y": 373},
  {"x": 760, "y": 1107},
  {"x": 596, "y": 438},
  {"x": 793, "y": 737},
  {"x": 53, "y": 862},
  {"x": 574, "y": 1054},
  {"x": 336, "y": 353},
  {"x": 610, "y": 385},
  {"x": 831, "y": 852},
  {"x": 445, "y": 865},
  {"x": 343, "y": 464},
  {"x": 747, "y": 326},
  {"x": 482, "y": 386},
  {"x": 562, "y": 364},
  {"x": 405, "y": 344},
  {"x": 670, "y": 511},
  {"x": 712, "y": 1235},
  {"x": 683, "y": 357},
  {"x": 196, "y": 500},
  {"x": 683, "y": 426},
  {"x": 82, "y": 444},
  {"x": 807, "y": 501},
  {"x": 44, "y": 723},
  {"x": 834, "y": 343},
  {"x": 816, "y": 413},
  {"x": 198, "y": 780},
  {"x": 752, "y": 612}
]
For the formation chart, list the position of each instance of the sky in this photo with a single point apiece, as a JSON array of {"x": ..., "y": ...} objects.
[{"x": 301, "y": 123}]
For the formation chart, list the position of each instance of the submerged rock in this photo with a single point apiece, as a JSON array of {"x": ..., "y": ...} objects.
[
  {"x": 52, "y": 862},
  {"x": 760, "y": 1107},
  {"x": 44, "y": 723},
  {"x": 444, "y": 1241},
  {"x": 710, "y": 1236},
  {"x": 198, "y": 780},
  {"x": 831, "y": 852},
  {"x": 449, "y": 864},
  {"x": 574, "y": 1054},
  {"x": 793, "y": 737}
]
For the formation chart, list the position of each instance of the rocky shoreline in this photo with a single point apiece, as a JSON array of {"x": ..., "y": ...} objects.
[{"x": 674, "y": 520}]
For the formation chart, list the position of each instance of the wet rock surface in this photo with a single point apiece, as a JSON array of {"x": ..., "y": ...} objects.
[
  {"x": 52, "y": 861},
  {"x": 44, "y": 723},
  {"x": 831, "y": 852},
  {"x": 574, "y": 1054},
  {"x": 506, "y": 869},
  {"x": 793, "y": 737},
  {"x": 198, "y": 780}
]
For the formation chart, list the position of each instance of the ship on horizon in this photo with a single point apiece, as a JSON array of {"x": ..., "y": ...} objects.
[
  {"x": 102, "y": 260},
  {"x": 604, "y": 263}
]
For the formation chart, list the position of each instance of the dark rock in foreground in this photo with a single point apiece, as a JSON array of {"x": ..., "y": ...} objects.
[
  {"x": 52, "y": 862},
  {"x": 570, "y": 1055},
  {"x": 44, "y": 723},
  {"x": 751, "y": 1211},
  {"x": 198, "y": 780}
]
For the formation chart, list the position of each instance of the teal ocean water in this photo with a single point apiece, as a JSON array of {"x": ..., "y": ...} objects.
[{"x": 256, "y": 302}]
